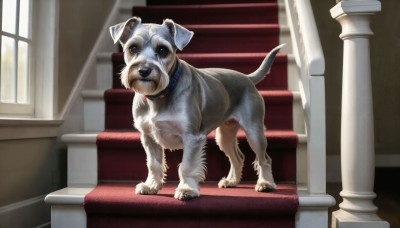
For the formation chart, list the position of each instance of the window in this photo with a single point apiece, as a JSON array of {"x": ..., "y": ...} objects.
[{"x": 16, "y": 78}]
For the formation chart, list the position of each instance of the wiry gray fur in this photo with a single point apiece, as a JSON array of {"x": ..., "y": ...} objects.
[{"x": 203, "y": 100}]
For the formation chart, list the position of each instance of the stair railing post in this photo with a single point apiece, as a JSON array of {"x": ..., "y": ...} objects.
[{"x": 357, "y": 129}]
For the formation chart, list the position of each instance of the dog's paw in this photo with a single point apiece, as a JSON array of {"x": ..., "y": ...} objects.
[
  {"x": 265, "y": 187},
  {"x": 225, "y": 183},
  {"x": 186, "y": 193},
  {"x": 144, "y": 189}
]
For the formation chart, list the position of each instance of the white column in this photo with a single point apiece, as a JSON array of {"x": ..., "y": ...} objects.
[{"x": 357, "y": 130}]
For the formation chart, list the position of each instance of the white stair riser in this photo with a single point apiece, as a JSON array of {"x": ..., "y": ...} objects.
[
  {"x": 104, "y": 71},
  {"x": 66, "y": 216},
  {"x": 82, "y": 165},
  {"x": 94, "y": 110}
]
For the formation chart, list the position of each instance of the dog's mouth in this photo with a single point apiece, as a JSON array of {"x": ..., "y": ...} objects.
[{"x": 145, "y": 80}]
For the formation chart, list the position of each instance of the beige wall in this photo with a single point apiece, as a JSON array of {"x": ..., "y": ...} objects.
[
  {"x": 29, "y": 169},
  {"x": 80, "y": 24},
  {"x": 385, "y": 57}
]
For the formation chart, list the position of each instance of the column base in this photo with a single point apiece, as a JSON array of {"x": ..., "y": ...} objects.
[{"x": 344, "y": 219}]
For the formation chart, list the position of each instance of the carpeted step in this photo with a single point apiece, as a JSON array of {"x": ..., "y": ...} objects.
[
  {"x": 116, "y": 205},
  {"x": 278, "y": 105},
  {"x": 233, "y": 38},
  {"x": 242, "y": 62},
  {"x": 121, "y": 157},
  {"x": 245, "y": 13}
]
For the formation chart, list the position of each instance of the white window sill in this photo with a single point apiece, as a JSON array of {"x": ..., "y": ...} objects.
[{"x": 27, "y": 128}]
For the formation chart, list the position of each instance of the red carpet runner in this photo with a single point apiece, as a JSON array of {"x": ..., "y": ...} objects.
[{"x": 235, "y": 36}]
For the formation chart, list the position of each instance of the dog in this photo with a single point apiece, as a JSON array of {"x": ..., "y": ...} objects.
[{"x": 177, "y": 105}]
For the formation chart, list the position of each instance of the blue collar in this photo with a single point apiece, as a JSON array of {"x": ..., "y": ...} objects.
[{"x": 173, "y": 80}]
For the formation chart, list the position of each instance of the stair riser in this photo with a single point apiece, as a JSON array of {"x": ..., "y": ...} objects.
[
  {"x": 93, "y": 110},
  {"x": 210, "y": 14},
  {"x": 130, "y": 163},
  {"x": 100, "y": 221},
  {"x": 278, "y": 113},
  {"x": 277, "y": 79},
  {"x": 95, "y": 121},
  {"x": 196, "y": 2},
  {"x": 103, "y": 71},
  {"x": 240, "y": 40}
]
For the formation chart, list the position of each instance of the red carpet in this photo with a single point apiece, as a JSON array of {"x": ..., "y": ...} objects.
[
  {"x": 121, "y": 157},
  {"x": 233, "y": 207},
  {"x": 235, "y": 36},
  {"x": 256, "y": 13}
]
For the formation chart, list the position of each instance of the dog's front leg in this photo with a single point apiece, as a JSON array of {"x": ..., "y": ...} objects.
[
  {"x": 156, "y": 167},
  {"x": 192, "y": 169}
]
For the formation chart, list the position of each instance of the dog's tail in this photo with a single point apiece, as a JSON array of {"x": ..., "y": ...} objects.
[{"x": 265, "y": 66}]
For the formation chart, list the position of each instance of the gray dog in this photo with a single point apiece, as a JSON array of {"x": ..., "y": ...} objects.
[{"x": 177, "y": 105}]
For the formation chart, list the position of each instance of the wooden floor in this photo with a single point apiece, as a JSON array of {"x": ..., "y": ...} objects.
[{"x": 388, "y": 196}]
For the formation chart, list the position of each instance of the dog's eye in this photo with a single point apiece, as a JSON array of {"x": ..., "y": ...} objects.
[
  {"x": 162, "y": 51},
  {"x": 134, "y": 49}
]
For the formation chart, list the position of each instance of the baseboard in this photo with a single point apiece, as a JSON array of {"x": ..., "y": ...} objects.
[
  {"x": 32, "y": 212},
  {"x": 44, "y": 225},
  {"x": 333, "y": 173}
]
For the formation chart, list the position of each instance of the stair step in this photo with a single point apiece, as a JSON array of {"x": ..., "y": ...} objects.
[
  {"x": 278, "y": 103},
  {"x": 108, "y": 203},
  {"x": 233, "y": 38},
  {"x": 121, "y": 157},
  {"x": 245, "y": 13},
  {"x": 242, "y": 62},
  {"x": 69, "y": 203}
]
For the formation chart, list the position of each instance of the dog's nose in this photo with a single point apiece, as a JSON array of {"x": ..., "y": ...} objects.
[{"x": 144, "y": 71}]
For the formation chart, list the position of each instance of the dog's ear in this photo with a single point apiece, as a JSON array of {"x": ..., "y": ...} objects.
[
  {"x": 121, "y": 32},
  {"x": 181, "y": 35}
]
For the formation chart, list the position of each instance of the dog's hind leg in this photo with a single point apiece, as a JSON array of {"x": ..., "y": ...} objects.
[
  {"x": 227, "y": 142},
  {"x": 262, "y": 163},
  {"x": 156, "y": 165}
]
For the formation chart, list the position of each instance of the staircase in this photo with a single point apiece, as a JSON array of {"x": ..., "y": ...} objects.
[{"x": 106, "y": 161}]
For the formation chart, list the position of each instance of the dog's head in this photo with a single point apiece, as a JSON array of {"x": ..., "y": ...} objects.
[{"x": 149, "y": 53}]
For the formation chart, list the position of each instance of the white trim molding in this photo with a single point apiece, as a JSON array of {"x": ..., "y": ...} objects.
[
  {"x": 31, "y": 210},
  {"x": 28, "y": 128},
  {"x": 45, "y": 44}
]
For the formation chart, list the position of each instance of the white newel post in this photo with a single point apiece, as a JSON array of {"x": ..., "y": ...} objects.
[{"x": 357, "y": 130}]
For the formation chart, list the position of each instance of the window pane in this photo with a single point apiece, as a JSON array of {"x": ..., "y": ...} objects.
[
  {"x": 24, "y": 18},
  {"x": 9, "y": 15},
  {"x": 7, "y": 87},
  {"x": 23, "y": 81}
]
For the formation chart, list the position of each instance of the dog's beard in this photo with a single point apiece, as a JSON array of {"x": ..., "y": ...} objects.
[{"x": 153, "y": 84}]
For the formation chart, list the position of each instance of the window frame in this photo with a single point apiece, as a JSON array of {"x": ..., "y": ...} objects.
[{"x": 45, "y": 122}]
